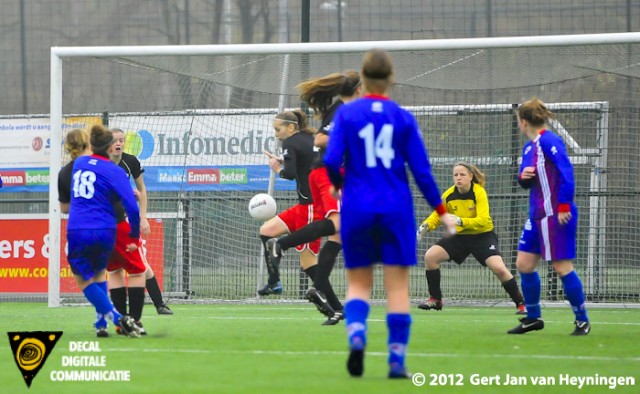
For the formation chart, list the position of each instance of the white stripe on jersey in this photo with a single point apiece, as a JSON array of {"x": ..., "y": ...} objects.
[
  {"x": 310, "y": 213},
  {"x": 544, "y": 229},
  {"x": 544, "y": 179}
]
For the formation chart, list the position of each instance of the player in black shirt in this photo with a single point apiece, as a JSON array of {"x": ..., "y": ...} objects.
[
  {"x": 291, "y": 127},
  {"x": 324, "y": 95},
  {"x": 131, "y": 165}
]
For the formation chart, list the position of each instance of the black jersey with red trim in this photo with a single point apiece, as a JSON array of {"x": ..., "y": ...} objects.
[
  {"x": 298, "y": 154},
  {"x": 132, "y": 167},
  {"x": 325, "y": 128}
]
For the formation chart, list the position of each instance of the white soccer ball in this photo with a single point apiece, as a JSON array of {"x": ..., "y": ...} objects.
[{"x": 262, "y": 207}]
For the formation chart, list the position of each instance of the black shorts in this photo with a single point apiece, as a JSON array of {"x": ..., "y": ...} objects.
[{"x": 481, "y": 246}]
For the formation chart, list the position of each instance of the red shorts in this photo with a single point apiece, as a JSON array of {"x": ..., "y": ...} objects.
[
  {"x": 323, "y": 202},
  {"x": 297, "y": 217},
  {"x": 131, "y": 262}
]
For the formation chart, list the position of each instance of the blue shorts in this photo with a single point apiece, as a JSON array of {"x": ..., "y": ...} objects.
[
  {"x": 377, "y": 238},
  {"x": 549, "y": 239},
  {"x": 89, "y": 250}
]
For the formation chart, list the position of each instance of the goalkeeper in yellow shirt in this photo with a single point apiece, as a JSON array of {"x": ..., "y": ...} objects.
[{"x": 467, "y": 204}]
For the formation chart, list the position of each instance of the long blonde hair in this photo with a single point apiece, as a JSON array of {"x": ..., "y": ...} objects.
[{"x": 76, "y": 142}]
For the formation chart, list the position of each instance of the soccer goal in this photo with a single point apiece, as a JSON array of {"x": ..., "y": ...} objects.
[{"x": 199, "y": 118}]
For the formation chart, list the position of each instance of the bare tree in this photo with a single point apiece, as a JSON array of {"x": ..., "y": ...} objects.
[{"x": 249, "y": 19}]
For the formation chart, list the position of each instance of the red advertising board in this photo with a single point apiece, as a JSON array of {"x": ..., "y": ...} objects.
[{"x": 24, "y": 253}]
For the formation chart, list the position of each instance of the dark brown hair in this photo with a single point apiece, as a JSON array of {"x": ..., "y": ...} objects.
[
  {"x": 101, "y": 140},
  {"x": 298, "y": 118},
  {"x": 320, "y": 92}
]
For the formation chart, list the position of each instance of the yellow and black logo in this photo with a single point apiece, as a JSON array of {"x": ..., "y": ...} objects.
[{"x": 31, "y": 349}]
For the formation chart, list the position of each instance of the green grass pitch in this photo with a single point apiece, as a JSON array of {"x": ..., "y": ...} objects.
[{"x": 281, "y": 349}]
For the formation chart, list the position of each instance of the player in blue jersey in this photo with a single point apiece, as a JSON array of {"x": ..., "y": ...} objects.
[
  {"x": 375, "y": 138},
  {"x": 550, "y": 230},
  {"x": 91, "y": 228}
]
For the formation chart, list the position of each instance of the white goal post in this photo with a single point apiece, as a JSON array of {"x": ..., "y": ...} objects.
[{"x": 459, "y": 80}]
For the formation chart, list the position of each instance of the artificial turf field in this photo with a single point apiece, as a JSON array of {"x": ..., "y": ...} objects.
[{"x": 280, "y": 349}]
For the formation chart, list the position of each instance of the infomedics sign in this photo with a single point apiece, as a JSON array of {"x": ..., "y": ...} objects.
[
  {"x": 197, "y": 140},
  {"x": 189, "y": 152}
]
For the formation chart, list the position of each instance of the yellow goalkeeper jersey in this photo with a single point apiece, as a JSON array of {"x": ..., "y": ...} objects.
[{"x": 472, "y": 207}]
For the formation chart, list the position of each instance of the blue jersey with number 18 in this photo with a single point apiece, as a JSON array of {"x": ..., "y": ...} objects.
[
  {"x": 95, "y": 184},
  {"x": 376, "y": 137}
]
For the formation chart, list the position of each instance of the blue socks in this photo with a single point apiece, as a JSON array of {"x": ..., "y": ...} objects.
[
  {"x": 530, "y": 283},
  {"x": 101, "y": 322},
  {"x": 572, "y": 288},
  {"x": 103, "y": 286},
  {"x": 98, "y": 297},
  {"x": 356, "y": 312},
  {"x": 574, "y": 292},
  {"x": 399, "y": 325}
]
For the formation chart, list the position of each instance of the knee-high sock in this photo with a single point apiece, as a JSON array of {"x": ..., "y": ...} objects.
[
  {"x": 101, "y": 321},
  {"x": 433, "y": 282},
  {"x": 136, "y": 302},
  {"x": 326, "y": 261},
  {"x": 119, "y": 299},
  {"x": 312, "y": 273},
  {"x": 274, "y": 272},
  {"x": 399, "y": 326},
  {"x": 154, "y": 291},
  {"x": 511, "y": 287},
  {"x": 573, "y": 289},
  {"x": 531, "y": 292},
  {"x": 99, "y": 299},
  {"x": 103, "y": 285},
  {"x": 356, "y": 312}
]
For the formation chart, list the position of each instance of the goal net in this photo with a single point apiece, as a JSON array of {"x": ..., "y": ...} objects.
[{"x": 199, "y": 118}]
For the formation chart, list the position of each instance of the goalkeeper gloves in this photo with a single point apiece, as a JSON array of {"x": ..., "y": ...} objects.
[
  {"x": 420, "y": 230},
  {"x": 456, "y": 219}
]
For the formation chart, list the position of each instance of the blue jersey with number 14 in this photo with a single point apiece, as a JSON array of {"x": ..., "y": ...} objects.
[
  {"x": 95, "y": 184},
  {"x": 376, "y": 137}
]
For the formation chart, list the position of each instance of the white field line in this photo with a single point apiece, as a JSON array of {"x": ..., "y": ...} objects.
[
  {"x": 376, "y": 354},
  {"x": 415, "y": 321}
]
